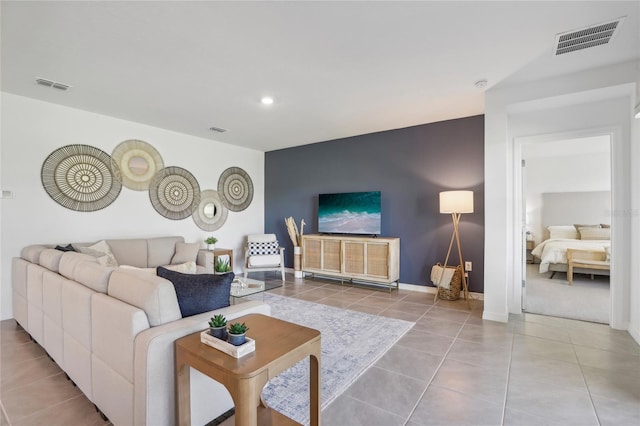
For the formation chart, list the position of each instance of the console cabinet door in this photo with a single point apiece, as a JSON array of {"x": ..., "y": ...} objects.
[
  {"x": 378, "y": 260},
  {"x": 354, "y": 258}
]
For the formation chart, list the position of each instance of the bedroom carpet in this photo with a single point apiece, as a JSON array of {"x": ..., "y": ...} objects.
[
  {"x": 351, "y": 342},
  {"x": 585, "y": 300}
]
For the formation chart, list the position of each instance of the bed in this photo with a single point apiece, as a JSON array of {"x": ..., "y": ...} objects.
[{"x": 553, "y": 251}]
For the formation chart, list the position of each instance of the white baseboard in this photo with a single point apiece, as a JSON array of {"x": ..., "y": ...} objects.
[
  {"x": 635, "y": 333},
  {"x": 495, "y": 316}
]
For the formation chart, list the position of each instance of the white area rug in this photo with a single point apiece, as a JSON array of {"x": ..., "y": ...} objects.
[
  {"x": 351, "y": 342},
  {"x": 585, "y": 300}
]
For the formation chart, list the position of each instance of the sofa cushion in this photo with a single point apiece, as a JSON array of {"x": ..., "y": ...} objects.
[
  {"x": 50, "y": 259},
  {"x": 160, "y": 251},
  {"x": 185, "y": 268},
  {"x": 185, "y": 252},
  {"x": 154, "y": 295},
  {"x": 130, "y": 251},
  {"x": 32, "y": 253},
  {"x": 70, "y": 260},
  {"x": 200, "y": 292},
  {"x": 93, "y": 275},
  {"x": 266, "y": 260},
  {"x": 102, "y": 252}
]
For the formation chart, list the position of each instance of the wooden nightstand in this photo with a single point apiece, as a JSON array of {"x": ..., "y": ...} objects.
[{"x": 529, "y": 247}]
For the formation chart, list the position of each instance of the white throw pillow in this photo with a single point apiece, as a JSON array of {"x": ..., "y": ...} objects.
[
  {"x": 185, "y": 252},
  {"x": 102, "y": 252}
]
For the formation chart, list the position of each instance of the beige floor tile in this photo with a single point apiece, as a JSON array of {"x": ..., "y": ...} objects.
[
  {"x": 430, "y": 343},
  {"x": 617, "y": 412},
  {"x": 410, "y": 362},
  {"x": 485, "y": 383},
  {"x": 346, "y": 410},
  {"x": 615, "y": 362},
  {"x": 375, "y": 310},
  {"x": 75, "y": 411},
  {"x": 27, "y": 372},
  {"x": 448, "y": 314},
  {"x": 532, "y": 347},
  {"x": 438, "y": 326},
  {"x": 443, "y": 407},
  {"x": 38, "y": 395},
  {"x": 551, "y": 402},
  {"x": 406, "y": 390},
  {"x": 399, "y": 314}
]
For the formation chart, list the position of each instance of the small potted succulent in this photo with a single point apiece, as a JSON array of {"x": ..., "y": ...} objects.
[
  {"x": 211, "y": 242},
  {"x": 218, "y": 327},
  {"x": 237, "y": 333},
  {"x": 222, "y": 266}
]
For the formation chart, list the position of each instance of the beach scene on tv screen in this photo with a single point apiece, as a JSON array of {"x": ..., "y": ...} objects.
[{"x": 349, "y": 213}]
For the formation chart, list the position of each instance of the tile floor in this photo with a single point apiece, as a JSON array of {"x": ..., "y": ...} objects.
[{"x": 452, "y": 368}]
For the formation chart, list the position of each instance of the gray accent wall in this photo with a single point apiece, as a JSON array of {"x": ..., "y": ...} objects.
[{"x": 410, "y": 166}]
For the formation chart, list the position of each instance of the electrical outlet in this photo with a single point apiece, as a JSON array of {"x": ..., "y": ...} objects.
[{"x": 468, "y": 266}]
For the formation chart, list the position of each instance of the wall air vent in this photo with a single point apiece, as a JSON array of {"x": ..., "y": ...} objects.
[
  {"x": 51, "y": 83},
  {"x": 218, "y": 129},
  {"x": 592, "y": 36}
]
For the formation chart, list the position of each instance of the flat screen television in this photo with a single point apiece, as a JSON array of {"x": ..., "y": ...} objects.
[{"x": 349, "y": 213}]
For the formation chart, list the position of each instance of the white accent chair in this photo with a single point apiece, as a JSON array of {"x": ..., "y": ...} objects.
[{"x": 273, "y": 260}]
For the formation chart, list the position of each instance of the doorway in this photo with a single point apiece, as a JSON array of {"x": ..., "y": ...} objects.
[{"x": 566, "y": 194}]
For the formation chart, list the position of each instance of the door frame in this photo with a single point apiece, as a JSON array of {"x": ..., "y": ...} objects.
[{"x": 621, "y": 257}]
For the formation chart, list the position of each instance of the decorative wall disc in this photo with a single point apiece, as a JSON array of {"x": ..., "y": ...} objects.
[
  {"x": 210, "y": 214},
  {"x": 80, "y": 178},
  {"x": 174, "y": 193},
  {"x": 138, "y": 163},
  {"x": 236, "y": 188}
]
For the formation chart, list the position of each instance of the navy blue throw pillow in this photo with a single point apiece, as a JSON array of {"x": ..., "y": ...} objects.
[
  {"x": 198, "y": 293},
  {"x": 68, "y": 247}
]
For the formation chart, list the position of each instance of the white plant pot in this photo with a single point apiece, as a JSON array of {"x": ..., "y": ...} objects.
[
  {"x": 211, "y": 247},
  {"x": 297, "y": 262}
]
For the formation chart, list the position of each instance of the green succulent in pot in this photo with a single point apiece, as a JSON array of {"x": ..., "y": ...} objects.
[
  {"x": 218, "y": 321},
  {"x": 218, "y": 327},
  {"x": 211, "y": 240},
  {"x": 237, "y": 332},
  {"x": 222, "y": 265}
]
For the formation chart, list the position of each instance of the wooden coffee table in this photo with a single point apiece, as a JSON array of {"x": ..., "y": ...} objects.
[{"x": 279, "y": 345}]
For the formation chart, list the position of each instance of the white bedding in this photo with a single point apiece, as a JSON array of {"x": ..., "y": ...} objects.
[{"x": 555, "y": 250}]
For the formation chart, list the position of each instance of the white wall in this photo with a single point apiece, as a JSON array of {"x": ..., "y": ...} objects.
[
  {"x": 599, "y": 98},
  {"x": 32, "y": 129},
  {"x": 572, "y": 168}
]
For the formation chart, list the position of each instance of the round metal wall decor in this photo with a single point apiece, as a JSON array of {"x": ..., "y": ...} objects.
[
  {"x": 174, "y": 193},
  {"x": 210, "y": 214},
  {"x": 138, "y": 163},
  {"x": 236, "y": 189},
  {"x": 80, "y": 178}
]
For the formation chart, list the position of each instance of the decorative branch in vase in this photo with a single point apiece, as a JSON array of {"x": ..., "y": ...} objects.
[{"x": 296, "y": 239}]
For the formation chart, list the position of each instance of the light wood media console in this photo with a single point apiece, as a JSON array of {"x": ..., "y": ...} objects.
[{"x": 368, "y": 259}]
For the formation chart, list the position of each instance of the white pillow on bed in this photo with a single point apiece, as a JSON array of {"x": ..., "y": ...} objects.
[{"x": 563, "y": 231}]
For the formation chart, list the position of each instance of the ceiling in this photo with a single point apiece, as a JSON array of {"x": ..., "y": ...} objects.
[{"x": 335, "y": 69}]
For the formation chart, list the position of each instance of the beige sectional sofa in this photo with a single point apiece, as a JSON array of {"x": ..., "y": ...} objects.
[{"x": 112, "y": 329}]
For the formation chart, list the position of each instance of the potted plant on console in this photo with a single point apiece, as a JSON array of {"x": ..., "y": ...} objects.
[
  {"x": 211, "y": 243},
  {"x": 222, "y": 266},
  {"x": 218, "y": 327},
  {"x": 237, "y": 333}
]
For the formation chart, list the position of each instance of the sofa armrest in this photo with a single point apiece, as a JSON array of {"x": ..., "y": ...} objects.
[{"x": 155, "y": 365}]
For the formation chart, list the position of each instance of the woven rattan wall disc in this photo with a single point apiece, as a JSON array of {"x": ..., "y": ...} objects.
[
  {"x": 80, "y": 178},
  {"x": 138, "y": 163},
  {"x": 236, "y": 188},
  {"x": 174, "y": 193},
  {"x": 210, "y": 214}
]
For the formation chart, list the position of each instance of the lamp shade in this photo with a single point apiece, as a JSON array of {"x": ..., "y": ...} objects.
[{"x": 456, "y": 202}]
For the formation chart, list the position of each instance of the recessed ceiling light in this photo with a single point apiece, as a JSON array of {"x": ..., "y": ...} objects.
[
  {"x": 266, "y": 100},
  {"x": 481, "y": 84}
]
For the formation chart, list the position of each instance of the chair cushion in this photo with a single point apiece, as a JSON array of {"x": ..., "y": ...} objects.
[
  {"x": 264, "y": 260},
  {"x": 200, "y": 292},
  {"x": 263, "y": 248}
]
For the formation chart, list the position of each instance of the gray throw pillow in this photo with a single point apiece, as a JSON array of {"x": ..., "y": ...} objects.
[{"x": 198, "y": 293}]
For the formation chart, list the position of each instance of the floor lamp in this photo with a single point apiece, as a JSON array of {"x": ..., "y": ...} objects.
[{"x": 456, "y": 203}]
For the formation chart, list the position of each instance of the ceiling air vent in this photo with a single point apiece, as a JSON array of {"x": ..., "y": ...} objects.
[
  {"x": 51, "y": 83},
  {"x": 594, "y": 35},
  {"x": 218, "y": 129}
]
